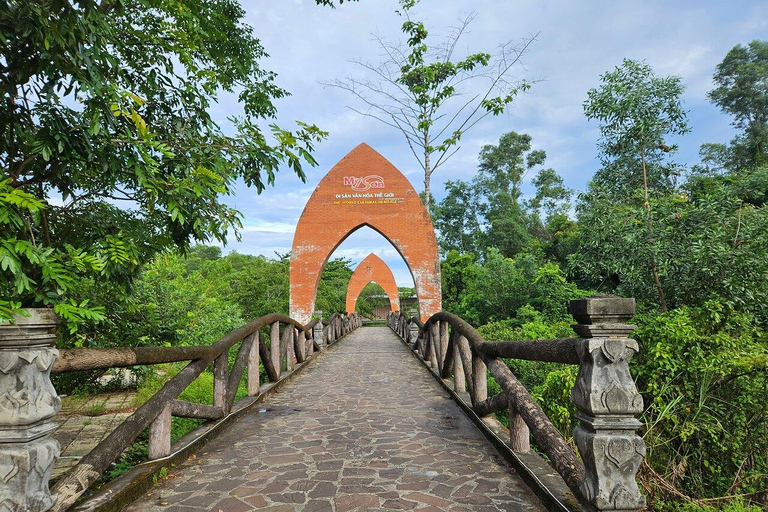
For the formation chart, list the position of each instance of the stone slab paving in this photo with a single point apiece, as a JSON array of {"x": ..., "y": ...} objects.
[
  {"x": 84, "y": 422},
  {"x": 364, "y": 428}
]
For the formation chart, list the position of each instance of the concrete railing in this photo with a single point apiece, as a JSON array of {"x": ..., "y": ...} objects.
[
  {"x": 277, "y": 342},
  {"x": 606, "y": 397}
]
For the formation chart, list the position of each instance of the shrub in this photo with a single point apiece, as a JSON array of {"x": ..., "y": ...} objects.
[{"x": 703, "y": 375}]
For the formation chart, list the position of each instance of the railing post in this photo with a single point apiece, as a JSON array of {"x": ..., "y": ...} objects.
[
  {"x": 274, "y": 347},
  {"x": 422, "y": 343},
  {"x": 317, "y": 332},
  {"x": 479, "y": 379},
  {"x": 434, "y": 351},
  {"x": 160, "y": 435},
  {"x": 519, "y": 433},
  {"x": 414, "y": 338},
  {"x": 300, "y": 344},
  {"x": 253, "y": 365},
  {"x": 309, "y": 341},
  {"x": 444, "y": 349},
  {"x": 28, "y": 401},
  {"x": 459, "y": 383},
  {"x": 465, "y": 356},
  {"x": 291, "y": 362},
  {"x": 608, "y": 402},
  {"x": 221, "y": 381},
  {"x": 286, "y": 347}
]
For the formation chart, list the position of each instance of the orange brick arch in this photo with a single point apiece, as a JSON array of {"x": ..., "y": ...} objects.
[
  {"x": 372, "y": 269},
  {"x": 364, "y": 189}
]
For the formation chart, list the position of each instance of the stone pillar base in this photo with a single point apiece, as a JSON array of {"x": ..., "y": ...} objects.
[
  {"x": 25, "y": 469},
  {"x": 612, "y": 453}
]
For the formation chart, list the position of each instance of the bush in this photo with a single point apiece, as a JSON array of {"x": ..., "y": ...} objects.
[
  {"x": 549, "y": 384},
  {"x": 703, "y": 375}
]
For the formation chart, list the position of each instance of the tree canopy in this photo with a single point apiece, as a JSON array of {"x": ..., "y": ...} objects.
[
  {"x": 742, "y": 91},
  {"x": 109, "y": 148},
  {"x": 489, "y": 211},
  {"x": 638, "y": 112}
]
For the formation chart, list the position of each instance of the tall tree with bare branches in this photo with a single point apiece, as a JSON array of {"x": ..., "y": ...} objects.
[{"x": 429, "y": 94}]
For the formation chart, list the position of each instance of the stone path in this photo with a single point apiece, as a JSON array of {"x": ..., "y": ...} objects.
[{"x": 365, "y": 428}]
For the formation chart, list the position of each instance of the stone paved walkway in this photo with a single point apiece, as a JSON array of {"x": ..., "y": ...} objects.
[
  {"x": 365, "y": 428},
  {"x": 84, "y": 422}
]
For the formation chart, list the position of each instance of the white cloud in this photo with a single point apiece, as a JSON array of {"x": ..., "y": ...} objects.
[{"x": 263, "y": 226}]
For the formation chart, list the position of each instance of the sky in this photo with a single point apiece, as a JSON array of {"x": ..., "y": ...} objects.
[{"x": 575, "y": 42}]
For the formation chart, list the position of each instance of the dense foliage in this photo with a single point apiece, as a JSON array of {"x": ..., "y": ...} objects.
[
  {"x": 107, "y": 103},
  {"x": 691, "y": 245},
  {"x": 194, "y": 299}
]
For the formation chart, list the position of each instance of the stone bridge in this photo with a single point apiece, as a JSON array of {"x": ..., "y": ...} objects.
[
  {"x": 338, "y": 416},
  {"x": 351, "y": 418}
]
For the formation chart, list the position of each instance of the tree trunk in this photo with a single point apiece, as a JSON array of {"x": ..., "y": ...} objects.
[
  {"x": 651, "y": 241},
  {"x": 427, "y": 171}
]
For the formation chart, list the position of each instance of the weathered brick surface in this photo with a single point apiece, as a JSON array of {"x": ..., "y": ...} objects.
[
  {"x": 399, "y": 215},
  {"x": 365, "y": 428},
  {"x": 372, "y": 269}
]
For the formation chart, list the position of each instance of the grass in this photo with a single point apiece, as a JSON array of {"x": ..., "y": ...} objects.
[{"x": 92, "y": 404}]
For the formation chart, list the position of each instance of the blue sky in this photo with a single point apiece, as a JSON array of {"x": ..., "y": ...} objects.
[{"x": 576, "y": 42}]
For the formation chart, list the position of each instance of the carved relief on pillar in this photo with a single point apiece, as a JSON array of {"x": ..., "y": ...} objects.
[
  {"x": 604, "y": 384},
  {"x": 26, "y": 393},
  {"x": 612, "y": 454}
]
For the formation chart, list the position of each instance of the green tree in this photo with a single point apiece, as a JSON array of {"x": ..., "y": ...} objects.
[
  {"x": 742, "y": 91},
  {"x": 552, "y": 196},
  {"x": 261, "y": 287},
  {"x": 429, "y": 95},
  {"x": 371, "y": 296},
  {"x": 712, "y": 236},
  {"x": 490, "y": 212},
  {"x": 332, "y": 288},
  {"x": 638, "y": 112},
  {"x": 503, "y": 167},
  {"x": 457, "y": 218},
  {"x": 702, "y": 373},
  {"x": 496, "y": 289},
  {"x": 105, "y": 103},
  {"x": 502, "y": 171},
  {"x": 457, "y": 271}
]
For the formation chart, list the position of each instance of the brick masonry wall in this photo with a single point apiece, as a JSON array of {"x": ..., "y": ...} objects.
[
  {"x": 372, "y": 269},
  {"x": 364, "y": 189}
]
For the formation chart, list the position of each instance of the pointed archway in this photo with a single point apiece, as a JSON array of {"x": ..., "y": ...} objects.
[
  {"x": 372, "y": 269},
  {"x": 364, "y": 189}
]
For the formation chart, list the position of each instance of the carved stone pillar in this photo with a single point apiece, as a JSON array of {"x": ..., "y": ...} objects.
[
  {"x": 27, "y": 404},
  {"x": 317, "y": 331},
  {"x": 608, "y": 402}
]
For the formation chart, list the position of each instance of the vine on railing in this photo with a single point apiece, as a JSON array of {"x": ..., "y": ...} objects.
[
  {"x": 278, "y": 349},
  {"x": 605, "y": 393}
]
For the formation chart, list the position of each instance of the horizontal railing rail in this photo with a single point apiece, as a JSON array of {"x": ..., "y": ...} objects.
[
  {"x": 278, "y": 342},
  {"x": 605, "y": 394}
]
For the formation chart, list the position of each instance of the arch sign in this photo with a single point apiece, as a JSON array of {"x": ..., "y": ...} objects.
[
  {"x": 372, "y": 270},
  {"x": 364, "y": 189}
]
